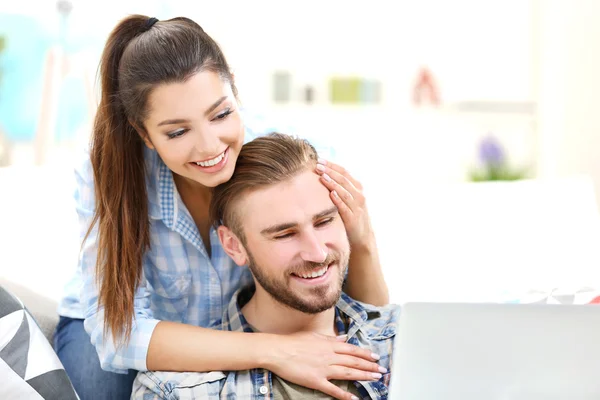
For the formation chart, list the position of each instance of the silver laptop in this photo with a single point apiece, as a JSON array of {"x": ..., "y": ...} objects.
[{"x": 496, "y": 352}]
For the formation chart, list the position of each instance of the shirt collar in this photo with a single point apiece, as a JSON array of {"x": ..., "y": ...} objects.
[
  {"x": 153, "y": 185},
  {"x": 233, "y": 319},
  {"x": 161, "y": 189}
]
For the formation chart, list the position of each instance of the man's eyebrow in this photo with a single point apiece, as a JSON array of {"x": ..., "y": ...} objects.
[
  {"x": 287, "y": 225},
  {"x": 329, "y": 211},
  {"x": 277, "y": 228},
  {"x": 183, "y": 121}
]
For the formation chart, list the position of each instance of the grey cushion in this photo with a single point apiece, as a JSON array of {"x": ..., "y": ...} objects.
[
  {"x": 29, "y": 366},
  {"x": 41, "y": 308}
]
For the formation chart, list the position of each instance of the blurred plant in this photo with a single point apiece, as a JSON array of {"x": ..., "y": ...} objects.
[{"x": 494, "y": 165}]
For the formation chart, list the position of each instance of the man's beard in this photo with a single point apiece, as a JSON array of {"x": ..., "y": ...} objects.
[{"x": 281, "y": 292}]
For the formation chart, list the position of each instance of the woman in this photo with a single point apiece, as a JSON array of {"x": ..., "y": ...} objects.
[{"x": 152, "y": 275}]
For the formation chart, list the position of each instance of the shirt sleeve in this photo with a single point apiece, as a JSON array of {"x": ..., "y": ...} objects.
[{"x": 122, "y": 357}]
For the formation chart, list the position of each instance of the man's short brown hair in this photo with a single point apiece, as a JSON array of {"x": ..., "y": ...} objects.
[{"x": 265, "y": 161}]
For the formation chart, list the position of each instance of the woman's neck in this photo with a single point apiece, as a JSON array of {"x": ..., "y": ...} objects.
[{"x": 192, "y": 189}]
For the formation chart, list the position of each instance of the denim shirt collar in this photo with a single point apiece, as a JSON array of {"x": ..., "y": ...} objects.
[
  {"x": 164, "y": 202},
  {"x": 350, "y": 315}
]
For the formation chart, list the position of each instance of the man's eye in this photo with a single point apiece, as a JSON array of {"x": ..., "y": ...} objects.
[
  {"x": 284, "y": 236},
  {"x": 324, "y": 222}
]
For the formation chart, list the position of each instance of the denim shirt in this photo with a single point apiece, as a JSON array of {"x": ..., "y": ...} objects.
[
  {"x": 180, "y": 281},
  {"x": 367, "y": 326}
]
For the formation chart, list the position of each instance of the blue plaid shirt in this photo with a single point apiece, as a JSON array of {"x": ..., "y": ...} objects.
[
  {"x": 367, "y": 326},
  {"x": 181, "y": 282}
]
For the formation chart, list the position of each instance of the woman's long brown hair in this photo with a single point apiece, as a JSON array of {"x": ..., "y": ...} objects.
[{"x": 137, "y": 57}]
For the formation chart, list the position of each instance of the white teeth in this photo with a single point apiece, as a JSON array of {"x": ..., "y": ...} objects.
[
  {"x": 212, "y": 162},
  {"x": 315, "y": 274}
]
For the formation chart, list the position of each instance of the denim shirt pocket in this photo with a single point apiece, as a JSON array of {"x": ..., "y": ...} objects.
[
  {"x": 178, "y": 385},
  {"x": 200, "y": 385},
  {"x": 386, "y": 333},
  {"x": 382, "y": 343},
  {"x": 173, "y": 293}
]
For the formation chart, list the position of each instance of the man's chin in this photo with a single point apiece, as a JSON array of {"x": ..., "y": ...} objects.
[
  {"x": 315, "y": 298},
  {"x": 312, "y": 309},
  {"x": 314, "y": 303}
]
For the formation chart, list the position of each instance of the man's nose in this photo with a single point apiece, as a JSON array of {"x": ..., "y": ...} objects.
[{"x": 312, "y": 249}]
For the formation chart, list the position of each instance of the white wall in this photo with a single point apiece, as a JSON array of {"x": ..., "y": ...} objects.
[
  {"x": 465, "y": 43},
  {"x": 570, "y": 84}
]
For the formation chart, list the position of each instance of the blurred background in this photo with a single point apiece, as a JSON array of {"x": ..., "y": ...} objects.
[{"x": 473, "y": 125}]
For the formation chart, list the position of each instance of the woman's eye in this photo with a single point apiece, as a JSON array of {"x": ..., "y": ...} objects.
[
  {"x": 177, "y": 133},
  {"x": 224, "y": 114}
]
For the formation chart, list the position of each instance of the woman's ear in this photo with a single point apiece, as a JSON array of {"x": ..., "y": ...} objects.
[
  {"x": 147, "y": 141},
  {"x": 143, "y": 134},
  {"x": 232, "y": 245}
]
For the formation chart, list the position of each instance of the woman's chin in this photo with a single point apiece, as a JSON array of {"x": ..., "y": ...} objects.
[{"x": 214, "y": 180}]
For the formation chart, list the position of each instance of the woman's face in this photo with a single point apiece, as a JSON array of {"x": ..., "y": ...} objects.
[{"x": 196, "y": 128}]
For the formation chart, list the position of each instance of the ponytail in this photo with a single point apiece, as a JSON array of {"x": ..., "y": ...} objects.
[{"x": 121, "y": 212}]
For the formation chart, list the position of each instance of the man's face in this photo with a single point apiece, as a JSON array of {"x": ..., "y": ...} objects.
[{"x": 296, "y": 243}]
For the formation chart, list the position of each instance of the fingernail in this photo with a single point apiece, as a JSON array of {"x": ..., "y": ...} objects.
[
  {"x": 354, "y": 398},
  {"x": 322, "y": 161},
  {"x": 376, "y": 375},
  {"x": 342, "y": 337},
  {"x": 327, "y": 177},
  {"x": 373, "y": 355},
  {"x": 383, "y": 370},
  {"x": 320, "y": 167}
]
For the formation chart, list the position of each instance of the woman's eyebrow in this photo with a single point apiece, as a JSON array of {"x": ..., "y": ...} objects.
[{"x": 184, "y": 121}]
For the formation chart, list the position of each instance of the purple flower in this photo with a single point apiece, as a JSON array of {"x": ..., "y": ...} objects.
[{"x": 490, "y": 151}]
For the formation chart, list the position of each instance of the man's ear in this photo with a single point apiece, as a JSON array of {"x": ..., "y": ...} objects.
[{"x": 232, "y": 245}]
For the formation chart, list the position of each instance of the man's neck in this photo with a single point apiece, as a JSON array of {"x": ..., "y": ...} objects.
[{"x": 267, "y": 315}]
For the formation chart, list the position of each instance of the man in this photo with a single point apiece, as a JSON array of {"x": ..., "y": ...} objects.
[{"x": 275, "y": 216}]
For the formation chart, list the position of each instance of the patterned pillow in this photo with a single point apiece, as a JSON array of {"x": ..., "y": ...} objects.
[{"x": 28, "y": 365}]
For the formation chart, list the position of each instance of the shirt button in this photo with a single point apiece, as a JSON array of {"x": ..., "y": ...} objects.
[{"x": 263, "y": 390}]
